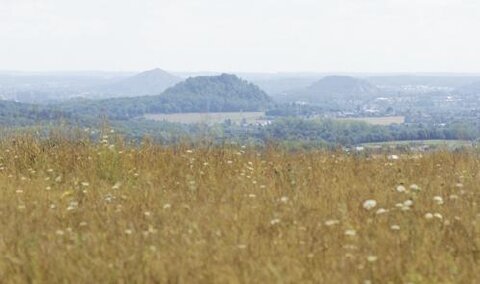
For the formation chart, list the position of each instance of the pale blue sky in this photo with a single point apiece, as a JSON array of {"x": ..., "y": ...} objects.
[{"x": 241, "y": 35}]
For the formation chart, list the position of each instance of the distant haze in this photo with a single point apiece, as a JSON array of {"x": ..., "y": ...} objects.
[{"x": 241, "y": 35}]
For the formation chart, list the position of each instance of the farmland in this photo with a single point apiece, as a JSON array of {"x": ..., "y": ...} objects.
[
  {"x": 386, "y": 120},
  {"x": 83, "y": 211}
]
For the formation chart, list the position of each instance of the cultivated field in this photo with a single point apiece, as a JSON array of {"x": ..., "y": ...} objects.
[
  {"x": 387, "y": 120},
  {"x": 208, "y": 118},
  {"x": 80, "y": 212}
]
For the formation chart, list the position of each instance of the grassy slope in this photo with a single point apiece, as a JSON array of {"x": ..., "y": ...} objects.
[{"x": 80, "y": 212}]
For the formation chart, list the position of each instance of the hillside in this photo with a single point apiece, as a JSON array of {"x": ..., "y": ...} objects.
[
  {"x": 335, "y": 88},
  {"x": 224, "y": 93},
  {"x": 152, "y": 82}
]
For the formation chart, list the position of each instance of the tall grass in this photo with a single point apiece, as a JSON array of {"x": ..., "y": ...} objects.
[{"x": 75, "y": 211}]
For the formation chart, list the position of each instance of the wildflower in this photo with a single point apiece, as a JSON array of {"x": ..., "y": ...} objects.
[
  {"x": 58, "y": 179},
  {"x": 229, "y": 162},
  {"x": 128, "y": 231},
  {"x": 438, "y": 200},
  {"x": 116, "y": 185},
  {"x": 401, "y": 188},
  {"x": 251, "y": 195},
  {"x": 72, "y": 205},
  {"x": 372, "y": 258},
  {"x": 331, "y": 222},
  {"x": 428, "y": 216},
  {"x": 395, "y": 227},
  {"x": 381, "y": 211},
  {"x": 369, "y": 204},
  {"x": 189, "y": 151},
  {"x": 83, "y": 224},
  {"x": 408, "y": 203},
  {"x": 438, "y": 216},
  {"x": 284, "y": 199},
  {"x": 459, "y": 185},
  {"x": 453, "y": 197},
  {"x": 414, "y": 187},
  {"x": 263, "y": 186},
  {"x": 19, "y": 191},
  {"x": 85, "y": 184},
  {"x": 275, "y": 221},
  {"x": 147, "y": 213},
  {"x": 242, "y": 246},
  {"x": 167, "y": 206},
  {"x": 393, "y": 157},
  {"x": 60, "y": 232},
  {"x": 48, "y": 188},
  {"x": 350, "y": 233}
]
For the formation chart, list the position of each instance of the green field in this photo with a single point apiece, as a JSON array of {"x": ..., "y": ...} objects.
[{"x": 385, "y": 120}]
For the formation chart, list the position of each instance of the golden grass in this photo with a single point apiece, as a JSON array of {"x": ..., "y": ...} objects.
[{"x": 79, "y": 212}]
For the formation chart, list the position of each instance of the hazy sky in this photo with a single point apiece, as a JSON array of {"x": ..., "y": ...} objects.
[{"x": 241, "y": 35}]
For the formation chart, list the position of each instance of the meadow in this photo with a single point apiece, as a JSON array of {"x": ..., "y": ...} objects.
[
  {"x": 78, "y": 211},
  {"x": 384, "y": 120}
]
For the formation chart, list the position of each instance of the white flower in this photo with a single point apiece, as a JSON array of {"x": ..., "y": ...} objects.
[
  {"x": 350, "y": 233},
  {"x": 428, "y": 216},
  {"x": 331, "y": 222},
  {"x": 438, "y": 216},
  {"x": 414, "y": 187},
  {"x": 251, "y": 195},
  {"x": 395, "y": 227},
  {"x": 453, "y": 197},
  {"x": 372, "y": 258},
  {"x": 284, "y": 199},
  {"x": 393, "y": 157},
  {"x": 369, "y": 204},
  {"x": 459, "y": 185},
  {"x": 72, "y": 206},
  {"x": 401, "y": 188},
  {"x": 381, "y": 211},
  {"x": 116, "y": 185},
  {"x": 167, "y": 206},
  {"x": 408, "y": 203},
  {"x": 438, "y": 200},
  {"x": 275, "y": 221}
]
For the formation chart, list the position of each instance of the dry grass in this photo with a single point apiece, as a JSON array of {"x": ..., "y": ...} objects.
[{"x": 86, "y": 213}]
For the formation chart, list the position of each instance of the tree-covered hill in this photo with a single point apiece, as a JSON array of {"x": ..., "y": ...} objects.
[{"x": 224, "y": 93}]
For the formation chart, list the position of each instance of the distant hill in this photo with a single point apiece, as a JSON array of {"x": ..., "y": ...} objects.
[
  {"x": 333, "y": 88},
  {"x": 224, "y": 93},
  {"x": 152, "y": 82}
]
